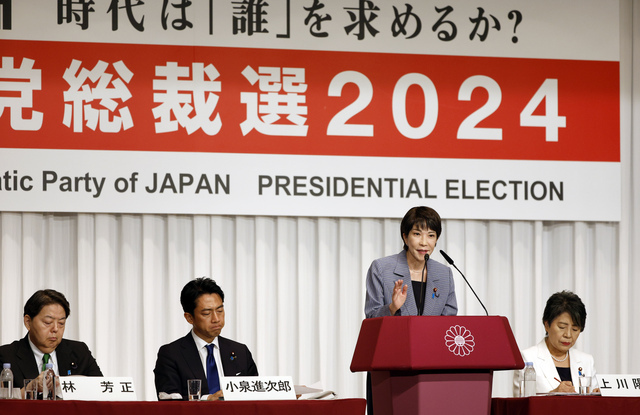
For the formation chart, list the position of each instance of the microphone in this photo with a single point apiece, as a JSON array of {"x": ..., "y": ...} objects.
[
  {"x": 450, "y": 261},
  {"x": 422, "y": 282}
]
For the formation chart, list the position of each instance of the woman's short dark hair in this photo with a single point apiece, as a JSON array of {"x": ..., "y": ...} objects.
[
  {"x": 42, "y": 298},
  {"x": 194, "y": 289},
  {"x": 565, "y": 301},
  {"x": 424, "y": 218}
]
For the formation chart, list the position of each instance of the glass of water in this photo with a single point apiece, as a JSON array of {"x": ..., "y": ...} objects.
[
  {"x": 30, "y": 389},
  {"x": 193, "y": 387},
  {"x": 585, "y": 384}
]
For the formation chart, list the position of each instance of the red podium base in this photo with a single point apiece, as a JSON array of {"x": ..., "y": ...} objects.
[
  {"x": 434, "y": 365},
  {"x": 401, "y": 393}
]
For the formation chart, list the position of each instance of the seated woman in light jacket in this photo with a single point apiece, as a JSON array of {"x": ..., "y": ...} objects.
[{"x": 558, "y": 365}]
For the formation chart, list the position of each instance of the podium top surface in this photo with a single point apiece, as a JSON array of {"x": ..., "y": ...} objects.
[{"x": 436, "y": 343}]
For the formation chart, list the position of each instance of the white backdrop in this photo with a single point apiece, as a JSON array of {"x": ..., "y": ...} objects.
[{"x": 295, "y": 286}]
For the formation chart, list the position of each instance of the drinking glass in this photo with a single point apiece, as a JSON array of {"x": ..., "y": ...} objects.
[
  {"x": 193, "y": 388},
  {"x": 585, "y": 384},
  {"x": 30, "y": 389}
]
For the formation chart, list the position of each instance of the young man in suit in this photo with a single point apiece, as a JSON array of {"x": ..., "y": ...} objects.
[
  {"x": 45, "y": 315},
  {"x": 202, "y": 354}
]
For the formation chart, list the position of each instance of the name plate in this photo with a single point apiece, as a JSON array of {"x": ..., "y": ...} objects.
[
  {"x": 257, "y": 388},
  {"x": 91, "y": 388},
  {"x": 619, "y": 385}
]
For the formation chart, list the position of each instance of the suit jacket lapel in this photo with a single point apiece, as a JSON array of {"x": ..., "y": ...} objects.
[
  {"x": 433, "y": 281},
  {"x": 576, "y": 364},
  {"x": 230, "y": 363},
  {"x": 409, "y": 308},
  {"x": 65, "y": 358},
  {"x": 549, "y": 370},
  {"x": 27, "y": 362},
  {"x": 224, "y": 351},
  {"x": 191, "y": 355}
]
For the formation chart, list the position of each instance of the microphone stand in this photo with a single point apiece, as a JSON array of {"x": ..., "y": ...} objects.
[{"x": 450, "y": 261}]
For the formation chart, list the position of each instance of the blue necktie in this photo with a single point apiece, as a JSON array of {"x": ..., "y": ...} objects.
[{"x": 212, "y": 371}]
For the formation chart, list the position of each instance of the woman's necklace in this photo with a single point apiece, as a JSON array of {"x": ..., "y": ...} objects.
[{"x": 561, "y": 360}]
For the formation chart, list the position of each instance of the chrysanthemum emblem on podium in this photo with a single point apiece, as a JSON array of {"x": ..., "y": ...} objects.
[{"x": 459, "y": 341}]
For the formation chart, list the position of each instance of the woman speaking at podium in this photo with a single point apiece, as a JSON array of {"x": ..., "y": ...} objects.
[
  {"x": 558, "y": 365},
  {"x": 409, "y": 283}
]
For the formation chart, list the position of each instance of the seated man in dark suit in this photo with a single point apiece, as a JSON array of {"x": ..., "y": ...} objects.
[
  {"x": 45, "y": 315},
  {"x": 202, "y": 354}
]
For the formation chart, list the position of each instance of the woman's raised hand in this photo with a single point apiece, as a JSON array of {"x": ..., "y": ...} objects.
[{"x": 398, "y": 297}]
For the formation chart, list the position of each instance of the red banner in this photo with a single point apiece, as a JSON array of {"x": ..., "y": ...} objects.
[{"x": 264, "y": 101}]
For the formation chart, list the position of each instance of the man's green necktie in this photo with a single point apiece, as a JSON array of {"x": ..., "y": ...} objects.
[{"x": 45, "y": 360}]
